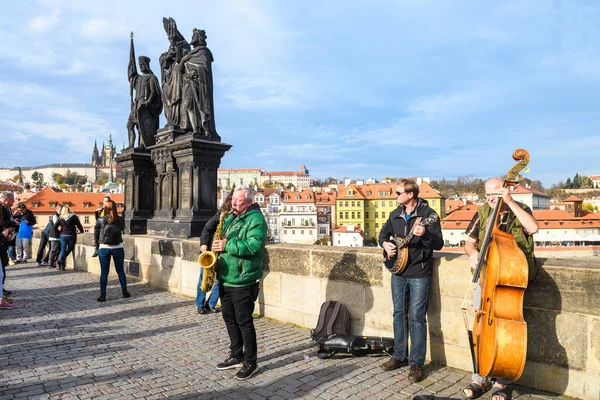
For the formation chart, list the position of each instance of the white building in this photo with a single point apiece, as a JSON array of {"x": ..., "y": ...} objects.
[
  {"x": 48, "y": 170},
  {"x": 535, "y": 199},
  {"x": 226, "y": 178},
  {"x": 269, "y": 201},
  {"x": 348, "y": 236},
  {"x": 298, "y": 217}
]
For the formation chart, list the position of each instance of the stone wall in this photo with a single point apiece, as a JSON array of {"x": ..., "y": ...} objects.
[{"x": 561, "y": 305}]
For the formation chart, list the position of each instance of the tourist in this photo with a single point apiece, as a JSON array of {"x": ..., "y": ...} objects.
[
  {"x": 108, "y": 241},
  {"x": 206, "y": 237},
  {"x": 67, "y": 224},
  {"x": 26, "y": 221}
]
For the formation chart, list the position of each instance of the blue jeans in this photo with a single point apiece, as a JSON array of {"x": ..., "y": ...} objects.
[
  {"x": 410, "y": 296},
  {"x": 201, "y": 296},
  {"x": 67, "y": 244},
  {"x": 118, "y": 256}
]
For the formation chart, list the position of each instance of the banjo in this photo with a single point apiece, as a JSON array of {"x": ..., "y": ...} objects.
[{"x": 397, "y": 263}]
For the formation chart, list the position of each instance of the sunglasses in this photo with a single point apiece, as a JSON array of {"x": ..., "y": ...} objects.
[{"x": 400, "y": 193}]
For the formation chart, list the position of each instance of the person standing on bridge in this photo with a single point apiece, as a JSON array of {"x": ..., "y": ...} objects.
[
  {"x": 108, "y": 242},
  {"x": 240, "y": 268}
]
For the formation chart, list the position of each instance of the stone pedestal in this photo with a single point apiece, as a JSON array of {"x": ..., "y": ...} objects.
[
  {"x": 185, "y": 188},
  {"x": 139, "y": 183}
]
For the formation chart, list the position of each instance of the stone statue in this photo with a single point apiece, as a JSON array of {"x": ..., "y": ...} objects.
[
  {"x": 147, "y": 106},
  {"x": 198, "y": 113},
  {"x": 169, "y": 71}
]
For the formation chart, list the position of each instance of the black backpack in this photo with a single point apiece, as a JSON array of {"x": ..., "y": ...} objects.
[{"x": 334, "y": 318}]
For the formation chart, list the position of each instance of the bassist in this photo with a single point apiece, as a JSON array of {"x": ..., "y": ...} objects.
[
  {"x": 516, "y": 219},
  {"x": 410, "y": 288}
]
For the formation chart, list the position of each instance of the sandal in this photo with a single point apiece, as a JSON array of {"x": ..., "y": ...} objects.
[
  {"x": 476, "y": 389},
  {"x": 496, "y": 391}
]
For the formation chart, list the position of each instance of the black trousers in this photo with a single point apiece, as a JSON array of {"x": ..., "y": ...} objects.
[
  {"x": 237, "y": 306},
  {"x": 40, "y": 254},
  {"x": 54, "y": 251},
  {"x": 4, "y": 259}
]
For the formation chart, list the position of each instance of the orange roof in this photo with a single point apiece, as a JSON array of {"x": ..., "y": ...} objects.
[
  {"x": 573, "y": 198},
  {"x": 552, "y": 215},
  {"x": 305, "y": 196},
  {"x": 428, "y": 192},
  {"x": 285, "y": 173},
  {"x": 524, "y": 190},
  {"x": 324, "y": 198},
  {"x": 344, "y": 229},
  {"x": 240, "y": 170},
  {"x": 75, "y": 200}
]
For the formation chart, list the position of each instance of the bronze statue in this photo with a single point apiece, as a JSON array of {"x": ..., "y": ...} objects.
[
  {"x": 147, "y": 106},
  {"x": 198, "y": 113}
]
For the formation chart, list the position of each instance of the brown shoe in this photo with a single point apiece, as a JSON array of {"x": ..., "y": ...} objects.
[
  {"x": 393, "y": 363},
  {"x": 415, "y": 374}
]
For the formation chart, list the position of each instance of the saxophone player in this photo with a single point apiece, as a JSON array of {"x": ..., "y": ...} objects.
[
  {"x": 206, "y": 237},
  {"x": 240, "y": 268}
]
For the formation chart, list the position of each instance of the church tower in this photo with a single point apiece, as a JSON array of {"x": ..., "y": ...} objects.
[{"x": 95, "y": 155}]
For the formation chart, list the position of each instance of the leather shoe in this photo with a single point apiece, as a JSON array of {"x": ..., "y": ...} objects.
[
  {"x": 415, "y": 374},
  {"x": 213, "y": 310},
  {"x": 393, "y": 363},
  {"x": 202, "y": 310}
]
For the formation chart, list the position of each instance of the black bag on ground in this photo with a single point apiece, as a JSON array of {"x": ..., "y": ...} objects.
[
  {"x": 334, "y": 318},
  {"x": 355, "y": 345}
]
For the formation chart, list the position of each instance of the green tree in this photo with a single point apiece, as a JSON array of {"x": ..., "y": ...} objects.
[
  {"x": 102, "y": 179},
  {"x": 58, "y": 178},
  {"x": 37, "y": 178}
]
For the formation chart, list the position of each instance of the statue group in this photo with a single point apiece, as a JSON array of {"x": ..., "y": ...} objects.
[{"x": 187, "y": 89}]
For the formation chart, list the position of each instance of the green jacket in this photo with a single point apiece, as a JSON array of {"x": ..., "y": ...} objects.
[
  {"x": 524, "y": 240},
  {"x": 241, "y": 263}
]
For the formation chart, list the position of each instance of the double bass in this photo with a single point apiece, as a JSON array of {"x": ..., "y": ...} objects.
[{"x": 498, "y": 339}]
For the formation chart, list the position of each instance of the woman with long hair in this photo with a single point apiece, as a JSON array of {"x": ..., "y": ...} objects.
[
  {"x": 67, "y": 225},
  {"x": 108, "y": 241}
]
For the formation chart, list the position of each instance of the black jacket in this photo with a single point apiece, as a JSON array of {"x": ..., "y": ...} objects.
[
  {"x": 209, "y": 229},
  {"x": 68, "y": 226},
  {"x": 27, "y": 216},
  {"x": 420, "y": 249},
  {"x": 111, "y": 234}
]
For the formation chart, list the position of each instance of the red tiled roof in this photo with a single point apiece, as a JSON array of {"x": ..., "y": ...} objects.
[
  {"x": 306, "y": 196},
  {"x": 572, "y": 198},
  {"x": 75, "y": 200}
]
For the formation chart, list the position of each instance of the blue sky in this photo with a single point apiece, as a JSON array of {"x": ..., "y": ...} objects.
[{"x": 358, "y": 89}]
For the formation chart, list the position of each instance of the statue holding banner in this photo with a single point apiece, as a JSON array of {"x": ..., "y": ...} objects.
[{"x": 147, "y": 106}]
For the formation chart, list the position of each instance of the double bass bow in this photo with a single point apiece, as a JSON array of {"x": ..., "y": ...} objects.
[{"x": 498, "y": 338}]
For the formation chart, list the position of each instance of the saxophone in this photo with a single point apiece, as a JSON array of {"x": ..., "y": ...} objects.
[{"x": 208, "y": 259}]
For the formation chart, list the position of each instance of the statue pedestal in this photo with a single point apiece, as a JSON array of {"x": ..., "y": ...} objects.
[
  {"x": 139, "y": 183},
  {"x": 185, "y": 188}
]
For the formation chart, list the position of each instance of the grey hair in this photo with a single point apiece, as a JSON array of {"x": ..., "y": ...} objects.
[
  {"x": 247, "y": 191},
  {"x": 6, "y": 195}
]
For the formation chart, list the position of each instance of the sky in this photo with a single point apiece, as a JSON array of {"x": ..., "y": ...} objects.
[{"x": 350, "y": 89}]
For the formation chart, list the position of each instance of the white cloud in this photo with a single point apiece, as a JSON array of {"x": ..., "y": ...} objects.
[
  {"x": 102, "y": 30},
  {"x": 42, "y": 23}
]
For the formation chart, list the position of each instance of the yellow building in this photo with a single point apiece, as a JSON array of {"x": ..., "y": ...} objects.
[{"x": 369, "y": 206}]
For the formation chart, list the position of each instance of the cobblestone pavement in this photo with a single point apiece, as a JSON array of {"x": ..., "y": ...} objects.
[{"x": 60, "y": 343}]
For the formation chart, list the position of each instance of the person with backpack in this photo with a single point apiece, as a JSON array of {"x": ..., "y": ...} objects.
[
  {"x": 410, "y": 287},
  {"x": 514, "y": 218},
  {"x": 26, "y": 221},
  {"x": 67, "y": 224}
]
